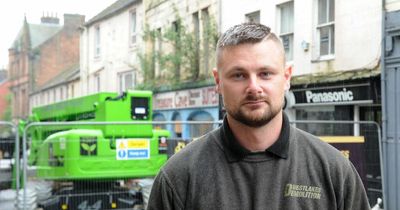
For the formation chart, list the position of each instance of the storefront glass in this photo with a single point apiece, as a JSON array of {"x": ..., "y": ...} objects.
[
  {"x": 197, "y": 130},
  {"x": 159, "y": 117},
  {"x": 177, "y": 126},
  {"x": 325, "y": 113}
]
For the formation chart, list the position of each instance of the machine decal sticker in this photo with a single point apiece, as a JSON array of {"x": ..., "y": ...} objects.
[
  {"x": 129, "y": 149},
  {"x": 88, "y": 146}
]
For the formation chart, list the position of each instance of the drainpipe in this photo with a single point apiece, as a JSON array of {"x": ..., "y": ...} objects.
[{"x": 383, "y": 107}]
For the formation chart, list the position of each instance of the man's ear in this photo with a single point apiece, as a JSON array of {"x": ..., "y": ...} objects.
[
  {"x": 288, "y": 76},
  {"x": 216, "y": 80}
]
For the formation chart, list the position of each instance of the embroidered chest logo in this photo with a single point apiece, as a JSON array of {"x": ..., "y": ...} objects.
[{"x": 302, "y": 191}]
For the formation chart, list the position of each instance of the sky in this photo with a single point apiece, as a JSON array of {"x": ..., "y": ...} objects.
[{"x": 12, "y": 14}]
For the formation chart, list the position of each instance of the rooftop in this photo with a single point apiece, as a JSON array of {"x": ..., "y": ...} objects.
[
  {"x": 111, "y": 10},
  {"x": 331, "y": 77},
  {"x": 38, "y": 33}
]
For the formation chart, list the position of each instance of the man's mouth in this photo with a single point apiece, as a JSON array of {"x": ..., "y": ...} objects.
[{"x": 254, "y": 103}]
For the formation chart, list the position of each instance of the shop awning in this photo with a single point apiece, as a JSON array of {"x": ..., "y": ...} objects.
[{"x": 331, "y": 77}]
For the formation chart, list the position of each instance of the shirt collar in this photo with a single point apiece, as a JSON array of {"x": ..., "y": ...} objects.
[{"x": 235, "y": 151}]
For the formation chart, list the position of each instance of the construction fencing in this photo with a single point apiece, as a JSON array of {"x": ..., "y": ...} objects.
[
  {"x": 9, "y": 152},
  {"x": 360, "y": 141},
  {"x": 92, "y": 177}
]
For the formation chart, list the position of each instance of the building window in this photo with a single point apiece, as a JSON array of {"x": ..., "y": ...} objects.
[
  {"x": 331, "y": 113},
  {"x": 325, "y": 27},
  {"x": 67, "y": 95},
  {"x": 197, "y": 130},
  {"x": 61, "y": 93},
  {"x": 159, "y": 52},
  {"x": 97, "y": 43},
  {"x": 196, "y": 30},
  {"x": 176, "y": 25},
  {"x": 253, "y": 17},
  {"x": 159, "y": 40},
  {"x": 54, "y": 98},
  {"x": 286, "y": 28},
  {"x": 97, "y": 82},
  {"x": 159, "y": 117},
  {"x": 48, "y": 97},
  {"x": 72, "y": 91},
  {"x": 24, "y": 102},
  {"x": 205, "y": 18},
  {"x": 42, "y": 98},
  {"x": 177, "y": 126},
  {"x": 126, "y": 81},
  {"x": 132, "y": 27}
]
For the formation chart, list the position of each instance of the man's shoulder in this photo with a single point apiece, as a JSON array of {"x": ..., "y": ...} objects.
[
  {"x": 313, "y": 145},
  {"x": 321, "y": 155}
]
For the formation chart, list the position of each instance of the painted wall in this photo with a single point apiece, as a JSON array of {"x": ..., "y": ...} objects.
[
  {"x": 4, "y": 94},
  {"x": 117, "y": 53},
  {"x": 162, "y": 14},
  {"x": 357, "y": 28},
  {"x": 392, "y": 5}
]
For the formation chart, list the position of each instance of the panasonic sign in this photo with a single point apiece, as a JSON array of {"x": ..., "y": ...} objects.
[{"x": 333, "y": 96}]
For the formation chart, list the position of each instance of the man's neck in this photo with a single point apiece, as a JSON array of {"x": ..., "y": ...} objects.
[{"x": 257, "y": 138}]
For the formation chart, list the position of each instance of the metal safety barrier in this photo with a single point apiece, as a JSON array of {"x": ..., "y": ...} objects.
[
  {"x": 120, "y": 192},
  {"x": 9, "y": 156},
  {"x": 362, "y": 138},
  {"x": 70, "y": 186}
]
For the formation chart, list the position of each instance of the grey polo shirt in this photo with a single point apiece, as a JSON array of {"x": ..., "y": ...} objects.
[{"x": 299, "y": 171}]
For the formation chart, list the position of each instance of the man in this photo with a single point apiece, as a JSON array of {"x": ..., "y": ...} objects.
[{"x": 256, "y": 160}]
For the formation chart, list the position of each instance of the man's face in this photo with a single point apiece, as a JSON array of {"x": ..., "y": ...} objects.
[{"x": 252, "y": 80}]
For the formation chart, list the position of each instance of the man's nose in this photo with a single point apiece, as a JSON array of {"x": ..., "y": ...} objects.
[{"x": 254, "y": 86}]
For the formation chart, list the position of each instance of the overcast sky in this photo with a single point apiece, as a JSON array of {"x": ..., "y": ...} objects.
[{"x": 12, "y": 14}]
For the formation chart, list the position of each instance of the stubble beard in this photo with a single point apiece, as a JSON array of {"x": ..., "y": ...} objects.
[{"x": 252, "y": 120}]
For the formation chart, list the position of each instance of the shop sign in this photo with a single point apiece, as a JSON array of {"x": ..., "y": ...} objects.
[
  {"x": 333, "y": 95},
  {"x": 199, "y": 97},
  {"x": 352, "y": 148}
]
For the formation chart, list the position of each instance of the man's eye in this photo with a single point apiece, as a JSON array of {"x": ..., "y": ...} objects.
[
  {"x": 238, "y": 76},
  {"x": 265, "y": 74}
]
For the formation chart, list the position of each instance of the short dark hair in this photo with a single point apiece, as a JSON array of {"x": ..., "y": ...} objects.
[{"x": 245, "y": 33}]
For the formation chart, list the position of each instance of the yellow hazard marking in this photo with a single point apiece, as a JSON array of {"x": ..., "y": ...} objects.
[
  {"x": 135, "y": 144},
  {"x": 121, "y": 145},
  {"x": 342, "y": 139}
]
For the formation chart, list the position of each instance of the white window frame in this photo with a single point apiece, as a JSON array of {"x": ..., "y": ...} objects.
[
  {"x": 159, "y": 51},
  {"x": 54, "y": 95},
  {"x": 72, "y": 91},
  {"x": 253, "y": 17},
  {"x": 328, "y": 24},
  {"x": 288, "y": 31},
  {"x": 61, "y": 93},
  {"x": 205, "y": 22},
  {"x": 122, "y": 81},
  {"x": 133, "y": 27},
  {"x": 48, "y": 97},
  {"x": 97, "y": 41},
  {"x": 97, "y": 81}
]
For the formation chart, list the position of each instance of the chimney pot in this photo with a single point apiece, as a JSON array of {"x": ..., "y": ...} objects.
[{"x": 50, "y": 19}]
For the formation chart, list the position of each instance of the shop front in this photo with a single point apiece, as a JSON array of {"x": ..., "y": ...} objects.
[
  {"x": 196, "y": 104},
  {"x": 345, "y": 100}
]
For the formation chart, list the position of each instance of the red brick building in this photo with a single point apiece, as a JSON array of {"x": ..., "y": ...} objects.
[
  {"x": 4, "y": 94},
  {"x": 39, "y": 53}
]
